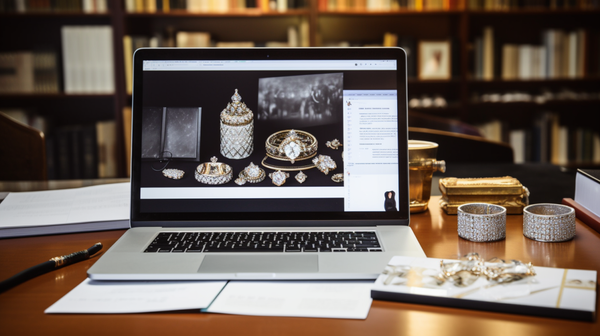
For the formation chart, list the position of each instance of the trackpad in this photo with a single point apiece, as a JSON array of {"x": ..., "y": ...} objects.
[{"x": 228, "y": 263}]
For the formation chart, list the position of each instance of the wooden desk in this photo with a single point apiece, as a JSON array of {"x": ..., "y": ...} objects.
[{"x": 22, "y": 308}]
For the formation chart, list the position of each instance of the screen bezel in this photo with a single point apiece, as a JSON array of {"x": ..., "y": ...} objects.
[{"x": 139, "y": 219}]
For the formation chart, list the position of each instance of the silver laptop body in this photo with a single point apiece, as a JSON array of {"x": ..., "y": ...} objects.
[{"x": 266, "y": 163}]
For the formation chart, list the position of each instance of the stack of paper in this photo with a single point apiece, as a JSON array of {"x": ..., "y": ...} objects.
[{"x": 102, "y": 207}]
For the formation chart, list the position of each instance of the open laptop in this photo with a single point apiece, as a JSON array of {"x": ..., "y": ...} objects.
[{"x": 266, "y": 164}]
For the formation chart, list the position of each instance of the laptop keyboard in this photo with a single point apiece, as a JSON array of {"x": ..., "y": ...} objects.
[{"x": 195, "y": 242}]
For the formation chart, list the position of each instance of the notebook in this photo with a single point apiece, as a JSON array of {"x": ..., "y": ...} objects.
[{"x": 266, "y": 163}]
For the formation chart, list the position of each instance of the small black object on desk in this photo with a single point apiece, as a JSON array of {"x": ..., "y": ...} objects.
[{"x": 48, "y": 266}]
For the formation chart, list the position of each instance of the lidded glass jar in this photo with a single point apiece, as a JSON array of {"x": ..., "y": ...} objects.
[{"x": 237, "y": 129}]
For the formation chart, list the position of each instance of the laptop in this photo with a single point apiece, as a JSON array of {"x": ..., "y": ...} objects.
[{"x": 266, "y": 163}]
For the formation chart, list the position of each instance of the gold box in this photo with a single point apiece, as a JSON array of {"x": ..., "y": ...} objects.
[{"x": 505, "y": 191}]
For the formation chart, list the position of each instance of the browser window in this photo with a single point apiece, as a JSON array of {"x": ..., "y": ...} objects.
[{"x": 281, "y": 135}]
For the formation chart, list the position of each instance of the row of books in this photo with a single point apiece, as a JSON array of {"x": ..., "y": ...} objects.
[
  {"x": 532, "y": 4},
  {"x": 297, "y": 36},
  {"x": 208, "y": 6},
  {"x": 82, "y": 151},
  {"x": 547, "y": 141},
  {"x": 560, "y": 55},
  {"x": 24, "y": 6},
  {"x": 76, "y": 151},
  {"x": 29, "y": 72},
  {"x": 545, "y": 96},
  {"x": 387, "y": 5},
  {"x": 88, "y": 63}
]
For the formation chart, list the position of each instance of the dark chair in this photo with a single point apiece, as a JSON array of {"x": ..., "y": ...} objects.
[
  {"x": 23, "y": 151},
  {"x": 462, "y": 148},
  {"x": 422, "y": 120}
]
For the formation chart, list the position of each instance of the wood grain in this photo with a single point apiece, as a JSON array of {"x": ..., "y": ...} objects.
[{"x": 22, "y": 308}]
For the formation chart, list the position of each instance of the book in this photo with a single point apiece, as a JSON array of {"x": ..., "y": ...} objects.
[
  {"x": 478, "y": 53},
  {"x": 128, "y": 63},
  {"x": 16, "y": 72},
  {"x": 61, "y": 141},
  {"x": 88, "y": 64},
  {"x": 517, "y": 142},
  {"x": 96, "y": 208},
  {"x": 127, "y": 113},
  {"x": 551, "y": 292},
  {"x": 583, "y": 214},
  {"x": 106, "y": 137},
  {"x": 45, "y": 72},
  {"x": 167, "y": 133},
  {"x": 89, "y": 154},
  {"x": 587, "y": 189},
  {"x": 510, "y": 61},
  {"x": 240, "y": 44},
  {"x": 72, "y": 152},
  {"x": 488, "y": 53},
  {"x": 192, "y": 39}
]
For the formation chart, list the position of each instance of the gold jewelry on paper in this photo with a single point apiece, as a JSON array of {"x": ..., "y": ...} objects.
[
  {"x": 279, "y": 177},
  {"x": 213, "y": 172},
  {"x": 175, "y": 174},
  {"x": 337, "y": 178},
  {"x": 291, "y": 145},
  {"x": 301, "y": 177},
  {"x": 283, "y": 168},
  {"x": 469, "y": 268},
  {"x": 237, "y": 129},
  {"x": 324, "y": 163},
  {"x": 333, "y": 144}
]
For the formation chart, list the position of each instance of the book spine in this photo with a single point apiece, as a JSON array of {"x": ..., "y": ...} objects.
[
  {"x": 89, "y": 153},
  {"x": 62, "y": 152},
  {"x": 488, "y": 53}
]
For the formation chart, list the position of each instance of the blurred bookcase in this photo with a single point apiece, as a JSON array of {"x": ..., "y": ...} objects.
[{"x": 526, "y": 72}]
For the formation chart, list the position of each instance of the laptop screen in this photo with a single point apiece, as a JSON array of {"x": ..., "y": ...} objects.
[{"x": 271, "y": 135}]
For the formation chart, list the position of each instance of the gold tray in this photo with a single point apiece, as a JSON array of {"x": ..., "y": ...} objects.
[{"x": 505, "y": 191}]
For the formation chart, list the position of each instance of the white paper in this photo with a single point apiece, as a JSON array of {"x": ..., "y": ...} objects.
[
  {"x": 117, "y": 297},
  {"x": 107, "y": 202},
  {"x": 328, "y": 299},
  {"x": 550, "y": 287}
]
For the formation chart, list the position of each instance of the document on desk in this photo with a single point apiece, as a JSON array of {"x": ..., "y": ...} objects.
[
  {"x": 327, "y": 299},
  {"x": 119, "y": 297},
  {"x": 101, "y": 207}
]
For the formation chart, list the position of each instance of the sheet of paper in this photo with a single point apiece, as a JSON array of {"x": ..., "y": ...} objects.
[
  {"x": 107, "y": 202},
  {"x": 330, "y": 299},
  {"x": 117, "y": 297}
]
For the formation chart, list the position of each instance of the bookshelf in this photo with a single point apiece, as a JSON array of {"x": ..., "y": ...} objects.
[{"x": 466, "y": 95}]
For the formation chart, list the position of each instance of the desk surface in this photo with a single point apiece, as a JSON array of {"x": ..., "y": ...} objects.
[{"x": 22, "y": 308}]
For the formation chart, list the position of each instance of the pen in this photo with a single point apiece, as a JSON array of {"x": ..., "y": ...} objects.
[{"x": 45, "y": 267}]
